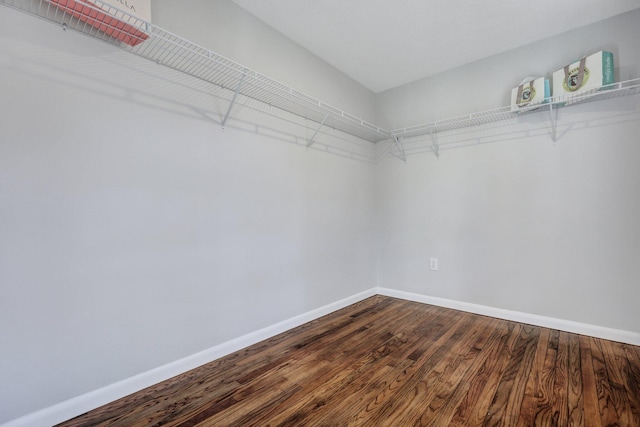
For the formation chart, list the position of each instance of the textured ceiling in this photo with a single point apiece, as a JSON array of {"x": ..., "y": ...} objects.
[{"x": 386, "y": 43}]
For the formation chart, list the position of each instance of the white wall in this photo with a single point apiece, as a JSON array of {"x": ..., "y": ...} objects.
[
  {"x": 517, "y": 222},
  {"x": 134, "y": 231},
  {"x": 229, "y": 30},
  {"x": 486, "y": 84}
]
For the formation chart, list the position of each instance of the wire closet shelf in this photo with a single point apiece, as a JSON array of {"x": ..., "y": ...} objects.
[
  {"x": 114, "y": 26},
  {"x": 109, "y": 24},
  {"x": 614, "y": 90}
]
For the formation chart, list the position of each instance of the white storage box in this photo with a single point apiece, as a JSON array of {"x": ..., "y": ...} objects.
[
  {"x": 531, "y": 93},
  {"x": 588, "y": 74}
]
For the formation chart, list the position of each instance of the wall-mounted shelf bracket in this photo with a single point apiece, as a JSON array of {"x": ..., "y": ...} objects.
[
  {"x": 146, "y": 40},
  {"x": 233, "y": 100},
  {"x": 317, "y": 130},
  {"x": 435, "y": 147},
  {"x": 397, "y": 144},
  {"x": 553, "y": 116},
  {"x": 624, "y": 88}
]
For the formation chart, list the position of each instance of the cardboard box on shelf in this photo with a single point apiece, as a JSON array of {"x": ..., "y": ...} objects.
[
  {"x": 589, "y": 74},
  {"x": 530, "y": 94}
]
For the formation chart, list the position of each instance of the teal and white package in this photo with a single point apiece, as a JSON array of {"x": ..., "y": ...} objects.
[
  {"x": 532, "y": 92},
  {"x": 588, "y": 74}
]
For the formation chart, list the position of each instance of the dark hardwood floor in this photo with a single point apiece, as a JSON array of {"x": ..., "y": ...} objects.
[{"x": 390, "y": 362}]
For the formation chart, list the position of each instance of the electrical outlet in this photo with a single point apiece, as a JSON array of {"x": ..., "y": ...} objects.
[{"x": 433, "y": 264}]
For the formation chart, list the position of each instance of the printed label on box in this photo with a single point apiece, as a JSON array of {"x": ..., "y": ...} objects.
[
  {"x": 530, "y": 95},
  {"x": 138, "y": 8},
  {"x": 589, "y": 74}
]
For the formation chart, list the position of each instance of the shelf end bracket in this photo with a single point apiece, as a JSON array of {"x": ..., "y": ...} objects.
[
  {"x": 435, "y": 147},
  {"x": 233, "y": 100},
  {"x": 400, "y": 147},
  {"x": 310, "y": 143},
  {"x": 553, "y": 115}
]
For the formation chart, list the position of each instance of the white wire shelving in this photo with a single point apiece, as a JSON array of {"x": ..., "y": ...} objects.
[
  {"x": 553, "y": 104},
  {"x": 628, "y": 87},
  {"x": 96, "y": 19}
]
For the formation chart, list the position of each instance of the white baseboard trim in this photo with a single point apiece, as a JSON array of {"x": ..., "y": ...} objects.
[
  {"x": 79, "y": 405},
  {"x": 618, "y": 335}
]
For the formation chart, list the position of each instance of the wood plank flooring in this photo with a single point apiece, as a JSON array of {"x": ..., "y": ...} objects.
[{"x": 390, "y": 362}]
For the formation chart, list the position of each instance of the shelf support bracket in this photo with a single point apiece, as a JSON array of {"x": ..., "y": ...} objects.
[
  {"x": 233, "y": 100},
  {"x": 553, "y": 115},
  {"x": 435, "y": 147},
  {"x": 310, "y": 143},
  {"x": 398, "y": 144}
]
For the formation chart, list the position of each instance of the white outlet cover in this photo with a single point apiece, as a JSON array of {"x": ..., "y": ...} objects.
[{"x": 433, "y": 264}]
